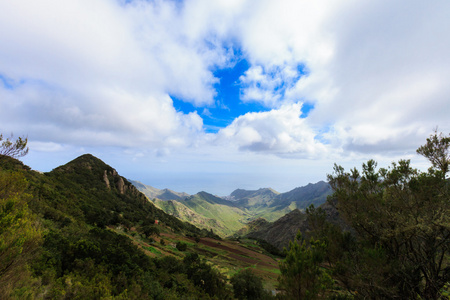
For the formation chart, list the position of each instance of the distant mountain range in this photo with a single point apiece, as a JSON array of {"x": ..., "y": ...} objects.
[{"x": 227, "y": 215}]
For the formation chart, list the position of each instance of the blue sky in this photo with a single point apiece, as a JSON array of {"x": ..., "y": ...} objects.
[
  {"x": 227, "y": 104},
  {"x": 217, "y": 95}
]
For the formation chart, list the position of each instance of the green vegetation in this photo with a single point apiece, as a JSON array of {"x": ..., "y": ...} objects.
[
  {"x": 10, "y": 148},
  {"x": 181, "y": 246},
  {"x": 20, "y": 233},
  {"x": 399, "y": 239},
  {"x": 247, "y": 286},
  {"x": 229, "y": 219},
  {"x": 301, "y": 274},
  {"x": 84, "y": 232}
]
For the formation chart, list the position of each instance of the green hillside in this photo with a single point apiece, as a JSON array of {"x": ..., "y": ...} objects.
[
  {"x": 228, "y": 217},
  {"x": 182, "y": 212},
  {"x": 82, "y": 231}
]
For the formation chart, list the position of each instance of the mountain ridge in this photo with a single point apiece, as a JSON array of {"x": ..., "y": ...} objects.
[{"x": 242, "y": 206}]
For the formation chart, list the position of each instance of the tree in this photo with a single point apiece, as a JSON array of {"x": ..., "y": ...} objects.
[
  {"x": 302, "y": 277},
  {"x": 150, "y": 230},
  {"x": 15, "y": 149},
  {"x": 206, "y": 277},
  {"x": 437, "y": 151},
  {"x": 402, "y": 221},
  {"x": 181, "y": 246},
  {"x": 247, "y": 285}
]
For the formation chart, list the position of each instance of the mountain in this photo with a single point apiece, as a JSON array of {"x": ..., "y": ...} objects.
[
  {"x": 164, "y": 194},
  {"x": 228, "y": 217},
  {"x": 302, "y": 197},
  {"x": 229, "y": 214},
  {"x": 260, "y": 195},
  {"x": 252, "y": 199},
  {"x": 203, "y": 210},
  {"x": 96, "y": 193},
  {"x": 285, "y": 229},
  {"x": 271, "y": 205}
]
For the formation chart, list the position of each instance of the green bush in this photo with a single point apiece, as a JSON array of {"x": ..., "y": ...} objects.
[
  {"x": 246, "y": 285},
  {"x": 181, "y": 246}
]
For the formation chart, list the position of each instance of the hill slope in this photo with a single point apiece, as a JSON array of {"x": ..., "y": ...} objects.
[
  {"x": 283, "y": 230},
  {"x": 228, "y": 218},
  {"x": 80, "y": 231}
]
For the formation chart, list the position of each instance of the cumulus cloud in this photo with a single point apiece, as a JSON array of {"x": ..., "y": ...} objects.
[
  {"x": 99, "y": 73},
  {"x": 279, "y": 131},
  {"x": 268, "y": 86},
  {"x": 383, "y": 87},
  {"x": 375, "y": 70}
]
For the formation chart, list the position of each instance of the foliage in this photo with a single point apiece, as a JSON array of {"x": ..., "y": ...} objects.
[
  {"x": 401, "y": 219},
  {"x": 150, "y": 230},
  {"x": 246, "y": 285},
  {"x": 181, "y": 246},
  {"x": 20, "y": 232},
  {"x": 16, "y": 149},
  {"x": 269, "y": 248},
  {"x": 302, "y": 277},
  {"x": 205, "y": 277},
  {"x": 437, "y": 151}
]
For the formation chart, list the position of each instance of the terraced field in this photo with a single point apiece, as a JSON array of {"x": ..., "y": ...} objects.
[{"x": 229, "y": 257}]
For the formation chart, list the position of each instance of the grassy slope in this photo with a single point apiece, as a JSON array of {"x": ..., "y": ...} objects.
[
  {"x": 232, "y": 218},
  {"x": 184, "y": 213}
]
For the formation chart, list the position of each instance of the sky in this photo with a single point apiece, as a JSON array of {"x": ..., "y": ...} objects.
[{"x": 215, "y": 95}]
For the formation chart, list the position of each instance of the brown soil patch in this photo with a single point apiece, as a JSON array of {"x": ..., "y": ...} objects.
[{"x": 239, "y": 253}]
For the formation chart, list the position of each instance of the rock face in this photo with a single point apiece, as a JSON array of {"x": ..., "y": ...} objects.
[
  {"x": 121, "y": 186},
  {"x": 120, "y": 183},
  {"x": 106, "y": 180}
]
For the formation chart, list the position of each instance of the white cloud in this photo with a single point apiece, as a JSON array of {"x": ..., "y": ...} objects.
[
  {"x": 267, "y": 86},
  {"x": 97, "y": 73},
  {"x": 279, "y": 131},
  {"x": 383, "y": 88},
  {"x": 376, "y": 70}
]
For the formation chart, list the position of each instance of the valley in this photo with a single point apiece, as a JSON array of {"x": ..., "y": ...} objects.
[{"x": 227, "y": 215}]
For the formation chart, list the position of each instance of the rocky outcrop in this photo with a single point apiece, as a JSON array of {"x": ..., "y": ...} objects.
[
  {"x": 121, "y": 185},
  {"x": 106, "y": 180}
]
